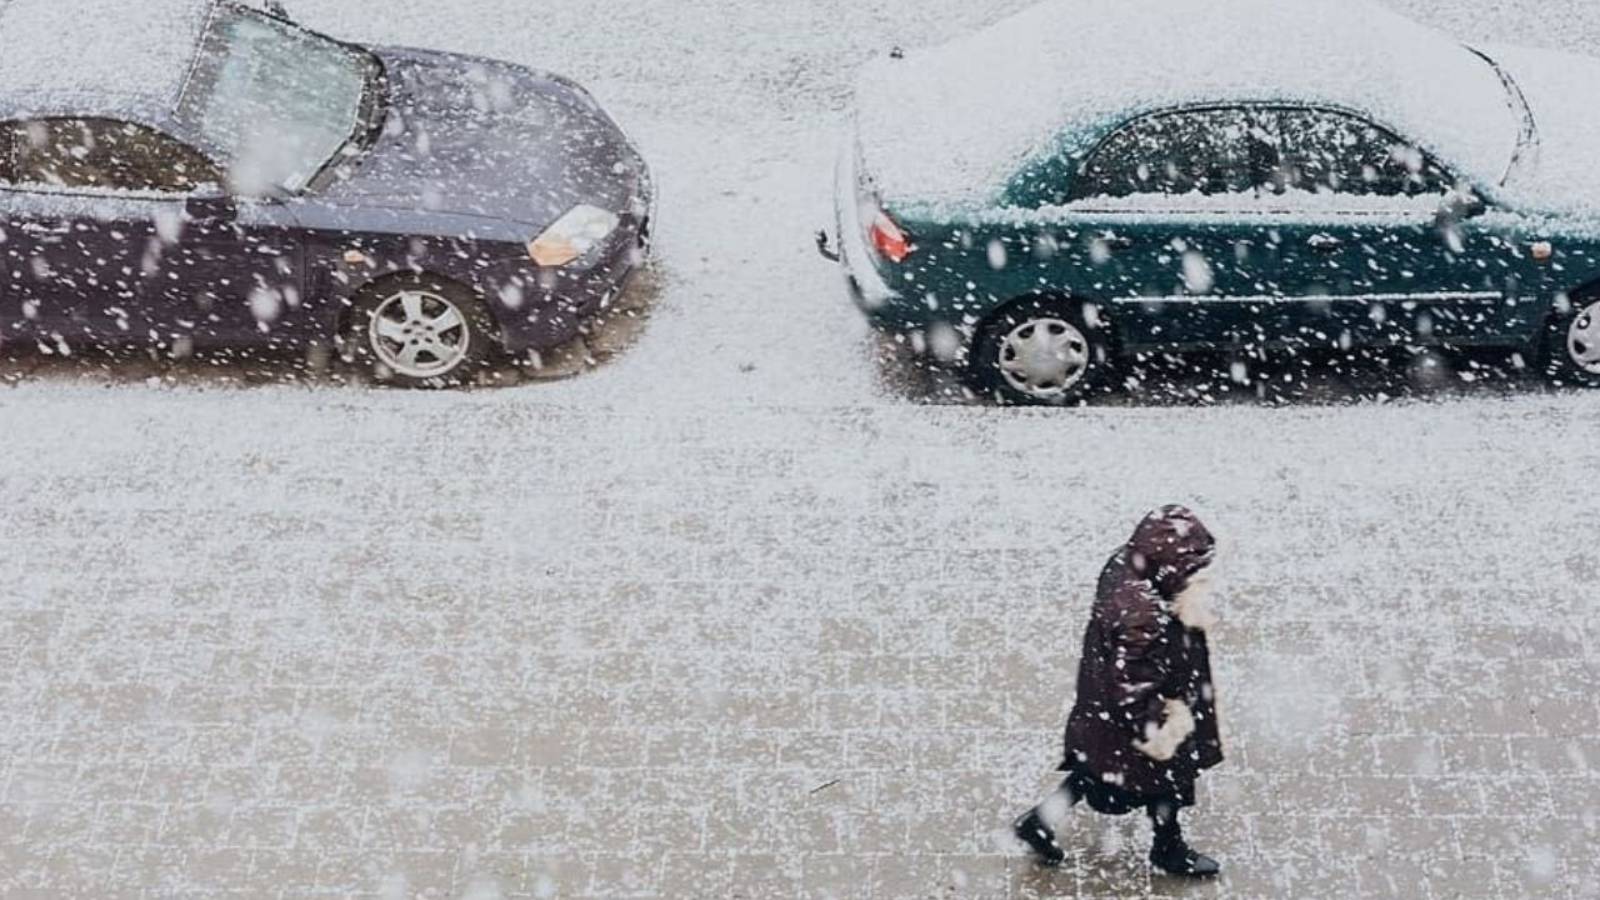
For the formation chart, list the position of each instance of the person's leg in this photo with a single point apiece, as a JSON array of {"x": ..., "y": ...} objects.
[
  {"x": 1164, "y": 820},
  {"x": 1170, "y": 852},
  {"x": 1037, "y": 829},
  {"x": 1056, "y": 807}
]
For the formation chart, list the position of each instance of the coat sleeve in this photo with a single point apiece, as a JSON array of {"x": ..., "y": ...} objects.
[
  {"x": 1139, "y": 657},
  {"x": 1158, "y": 723}
]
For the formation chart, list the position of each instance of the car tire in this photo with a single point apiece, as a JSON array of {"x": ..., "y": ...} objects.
[
  {"x": 422, "y": 332},
  {"x": 1571, "y": 351},
  {"x": 1040, "y": 352}
]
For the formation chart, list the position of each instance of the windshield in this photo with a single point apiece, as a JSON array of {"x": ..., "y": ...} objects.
[{"x": 277, "y": 103}]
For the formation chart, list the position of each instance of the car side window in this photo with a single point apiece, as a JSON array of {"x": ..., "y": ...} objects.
[
  {"x": 1203, "y": 151},
  {"x": 1332, "y": 152},
  {"x": 8, "y": 157},
  {"x": 102, "y": 155}
]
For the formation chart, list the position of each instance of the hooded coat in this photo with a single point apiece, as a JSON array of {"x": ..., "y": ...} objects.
[{"x": 1145, "y": 723}]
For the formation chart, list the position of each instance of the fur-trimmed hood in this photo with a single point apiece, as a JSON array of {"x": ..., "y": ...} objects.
[{"x": 1192, "y": 606}]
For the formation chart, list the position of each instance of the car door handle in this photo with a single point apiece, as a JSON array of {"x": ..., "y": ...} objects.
[
  {"x": 1324, "y": 243},
  {"x": 36, "y": 228},
  {"x": 1117, "y": 242}
]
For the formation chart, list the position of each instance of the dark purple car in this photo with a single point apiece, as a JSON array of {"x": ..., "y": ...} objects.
[{"x": 190, "y": 173}]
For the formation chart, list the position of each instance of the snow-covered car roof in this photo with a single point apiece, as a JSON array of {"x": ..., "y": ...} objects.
[
  {"x": 954, "y": 124},
  {"x": 98, "y": 57}
]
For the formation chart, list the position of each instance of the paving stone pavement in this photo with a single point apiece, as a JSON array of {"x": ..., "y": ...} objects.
[
  {"x": 722, "y": 621},
  {"x": 769, "y": 653}
]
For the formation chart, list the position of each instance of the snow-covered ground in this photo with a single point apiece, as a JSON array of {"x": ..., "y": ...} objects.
[{"x": 732, "y": 615}]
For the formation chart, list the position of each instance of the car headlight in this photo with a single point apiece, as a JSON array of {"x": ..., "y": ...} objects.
[{"x": 579, "y": 231}]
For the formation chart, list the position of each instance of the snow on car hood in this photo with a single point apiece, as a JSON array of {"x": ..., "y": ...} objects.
[
  {"x": 954, "y": 124},
  {"x": 483, "y": 138},
  {"x": 1561, "y": 88}
]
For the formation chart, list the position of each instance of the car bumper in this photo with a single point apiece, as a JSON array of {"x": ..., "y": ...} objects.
[
  {"x": 867, "y": 287},
  {"x": 542, "y": 308}
]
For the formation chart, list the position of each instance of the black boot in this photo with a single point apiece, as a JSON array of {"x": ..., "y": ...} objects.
[
  {"x": 1031, "y": 830},
  {"x": 1177, "y": 859},
  {"x": 1171, "y": 853}
]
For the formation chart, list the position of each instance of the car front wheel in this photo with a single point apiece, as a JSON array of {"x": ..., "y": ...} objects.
[
  {"x": 1039, "y": 353},
  {"x": 1572, "y": 353},
  {"x": 422, "y": 333}
]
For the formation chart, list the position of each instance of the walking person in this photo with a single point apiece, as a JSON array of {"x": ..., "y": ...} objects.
[{"x": 1145, "y": 723}]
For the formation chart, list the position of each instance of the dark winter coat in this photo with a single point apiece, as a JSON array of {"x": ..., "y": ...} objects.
[{"x": 1145, "y": 720}]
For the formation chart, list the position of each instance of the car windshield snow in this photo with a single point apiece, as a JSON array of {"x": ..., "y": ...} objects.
[
  {"x": 1527, "y": 126},
  {"x": 276, "y": 102}
]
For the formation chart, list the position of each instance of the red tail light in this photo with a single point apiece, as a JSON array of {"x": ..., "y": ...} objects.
[{"x": 889, "y": 239}]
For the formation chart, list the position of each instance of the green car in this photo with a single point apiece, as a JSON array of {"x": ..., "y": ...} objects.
[{"x": 1093, "y": 181}]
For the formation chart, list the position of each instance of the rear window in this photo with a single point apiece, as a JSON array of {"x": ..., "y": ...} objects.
[{"x": 1206, "y": 151}]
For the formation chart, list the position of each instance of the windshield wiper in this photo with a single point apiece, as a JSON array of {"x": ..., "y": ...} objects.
[
  {"x": 370, "y": 121},
  {"x": 1528, "y": 128},
  {"x": 374, "y": 106}
]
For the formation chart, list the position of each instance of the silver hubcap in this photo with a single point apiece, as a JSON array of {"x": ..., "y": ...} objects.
[
  {"x": 420, "y": 334},
  {"x": 1583, "y": 341},
  {"x": 1044, "y": 358}
]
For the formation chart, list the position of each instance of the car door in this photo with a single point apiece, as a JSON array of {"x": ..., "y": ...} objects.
[
  {"x": 18, "y": 309},
  {"x": 232, "y": 274},
  {"x": 24, "y": 234},
  {"x": 1368, "y": 254},
  {"x": 1172, "y": 201},
  {"x": 73, "y": 273},
  {"x": 130, "y": 238}
]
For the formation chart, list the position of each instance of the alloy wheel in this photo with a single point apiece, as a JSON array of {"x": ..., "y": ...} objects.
[
  {"x": 1583, "y": 339},
  {"x": 420, "y": 334},
  {"x": 1044, "y": 358}
]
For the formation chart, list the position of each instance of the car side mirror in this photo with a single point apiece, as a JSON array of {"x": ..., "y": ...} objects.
[
  {"x": 277, "y": 10},
  {"x": 1460, "y": 204}
]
